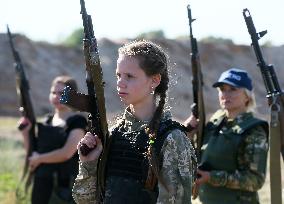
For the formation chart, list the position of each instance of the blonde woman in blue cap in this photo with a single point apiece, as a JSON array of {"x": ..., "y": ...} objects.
[{"x": 235, "y": 145}]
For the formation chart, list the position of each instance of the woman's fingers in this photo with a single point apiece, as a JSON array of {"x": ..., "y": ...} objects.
[
  {"x": 92, "y": 141},
  {"x": 191, "y": 122},
  {"x": 204, "y": 177},
  {"x": 89, "y": 140},
  {"x": 24, "y": 124}
]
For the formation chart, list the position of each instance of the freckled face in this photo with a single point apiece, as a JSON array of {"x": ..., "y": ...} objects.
[
  {"x": 133, "y": 85},
  {"x": 232, "y": 99},
  {"x": 55, "y": 94}
]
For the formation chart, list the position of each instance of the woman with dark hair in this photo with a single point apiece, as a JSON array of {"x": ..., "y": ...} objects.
[
  {"x": 56, "y": 144},
  {"x": 149, "y": 157}
]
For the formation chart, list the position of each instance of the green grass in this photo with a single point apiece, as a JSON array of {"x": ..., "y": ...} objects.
[
  {"x": 11, "y": 160},
  {"x": 8, "y": 122}
]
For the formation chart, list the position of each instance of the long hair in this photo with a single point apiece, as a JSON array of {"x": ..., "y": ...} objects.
[
  {"x": 152, "y": 60},
  {"x": 251, "y": 104}
]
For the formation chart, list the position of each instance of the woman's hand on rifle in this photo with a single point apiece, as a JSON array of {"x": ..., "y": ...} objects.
[
  {"x": 92, "y": 141},
  {"x": 25, "y": 125},
  {"x": 34, "y": 161},
  {"x": 203, "y": 177},
  {"x": 191, "y": 123}
]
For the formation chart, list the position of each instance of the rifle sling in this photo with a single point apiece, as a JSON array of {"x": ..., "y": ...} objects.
[{"x": 275, "y": 168}]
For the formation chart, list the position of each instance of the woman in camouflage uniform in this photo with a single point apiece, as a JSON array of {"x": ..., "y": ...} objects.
[
  {"x": 149, "y": 156},
  {"x": 234, "y": 151}
]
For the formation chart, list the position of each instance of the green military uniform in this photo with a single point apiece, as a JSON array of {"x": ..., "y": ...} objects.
[
  {"x": 235, "y": 153},
  {"x": 176, "y": 169}
]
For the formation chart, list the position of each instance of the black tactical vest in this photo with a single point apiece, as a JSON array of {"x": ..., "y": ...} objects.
[{"x": 128, "y": 163}]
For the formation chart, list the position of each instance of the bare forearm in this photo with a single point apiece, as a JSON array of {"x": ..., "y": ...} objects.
[
  {"x": 66, "y": 152},
  {"x": 26, "y": 141},
  {"x": 55, "y": 156}
]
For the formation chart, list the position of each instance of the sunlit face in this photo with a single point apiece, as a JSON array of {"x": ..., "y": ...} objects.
[
  {"x": 232, "y": 99},
  {"x": 133, "y": 85},
  {"x": 55, "y": 94}
]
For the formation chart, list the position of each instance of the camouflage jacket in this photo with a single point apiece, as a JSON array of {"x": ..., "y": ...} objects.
[
  {"x": 176, "y": 170},
  {"x": 251, "y": 160}
]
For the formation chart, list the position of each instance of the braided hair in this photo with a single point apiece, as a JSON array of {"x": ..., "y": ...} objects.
[{"x": 152, "y": 60}]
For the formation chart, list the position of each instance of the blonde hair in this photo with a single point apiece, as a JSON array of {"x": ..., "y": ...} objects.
[{"x": 251, "y": 104}]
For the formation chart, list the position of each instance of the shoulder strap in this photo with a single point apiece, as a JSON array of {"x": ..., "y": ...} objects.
[
  {"x": 164, "y": 129},
  {"x": 248, "y": 124},
  {"x": 168, "y": 125},
  {"x": 48, "y": 118}
]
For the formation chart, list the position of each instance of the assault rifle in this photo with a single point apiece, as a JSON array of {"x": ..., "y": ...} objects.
[
  {"x": 198, "y": 109},
  {"x": 26, "y": 107},
  {"x": 197, "y": 84},
  {"x": 275, "y": 98},
  {"x": 94, "y": 102}
]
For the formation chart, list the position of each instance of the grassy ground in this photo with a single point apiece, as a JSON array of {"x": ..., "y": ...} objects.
[
  {"x": 12, "y": 158},
  {"x": 12, "y": 161}
]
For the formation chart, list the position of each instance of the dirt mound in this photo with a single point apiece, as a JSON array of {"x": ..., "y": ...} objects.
[{"x": 44, "y": 61}]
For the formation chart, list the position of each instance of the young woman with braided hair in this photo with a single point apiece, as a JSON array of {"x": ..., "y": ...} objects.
[{"x": 149, "y": 157}]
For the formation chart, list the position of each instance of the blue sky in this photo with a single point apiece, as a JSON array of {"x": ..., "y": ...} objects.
[{"x": 53, "y": 20}]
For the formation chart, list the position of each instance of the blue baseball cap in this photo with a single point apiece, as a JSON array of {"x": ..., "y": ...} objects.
[{"x": 235, "y": 77}]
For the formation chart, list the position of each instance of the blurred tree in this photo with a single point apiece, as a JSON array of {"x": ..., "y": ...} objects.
[
  {"x": 75, "y": 38},
  {"x": 182, "y": 37},
  {"x": 267, "y": 43},
  {"x": 212, "y": 39},
  {"x": 152, "y": 34}
]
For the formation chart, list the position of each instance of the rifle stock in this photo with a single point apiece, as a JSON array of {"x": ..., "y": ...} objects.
[
  {"x": 26, "y": 107},
  {"x": 198, "y": 109},
  {"x": 275, "y": 98}
]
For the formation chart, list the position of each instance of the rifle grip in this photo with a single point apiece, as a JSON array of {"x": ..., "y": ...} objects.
[
  {"x": 85, "y": 150},
  {"x": 22, "y": 126}
]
